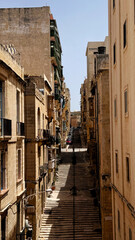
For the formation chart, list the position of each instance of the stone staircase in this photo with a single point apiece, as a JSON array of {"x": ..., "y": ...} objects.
[{"x": 67, "y": 216}]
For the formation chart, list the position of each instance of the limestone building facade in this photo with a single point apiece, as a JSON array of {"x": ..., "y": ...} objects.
[
  {"x": 38, "y": 139},
  {"x": 31, "y": 36},
  {"x": 65, "y": 114},
  {"x": 122, "y": 85},
  {"x": 75, "y": 119},
  {"x": 100, "y": 111},
  {"x": 12, "y": 149},
  {"x": 95, "y": 114}
]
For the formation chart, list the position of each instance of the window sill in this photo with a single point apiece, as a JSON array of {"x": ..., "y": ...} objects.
[
  {"x": 3, "y": 193},
  {"x": 19, "y": 181},
  {"x": 125, "y": 48},
  {"x": 114, "y": 9},
  {"x": 126, "y": 115},
  {"x": 114, "y": 65}
]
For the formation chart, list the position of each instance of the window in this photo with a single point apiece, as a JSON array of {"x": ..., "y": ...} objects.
[
  {"x": 19, "y": 164},
  {"x": 134, "y": 11},
  {"x": 3, "y": 227},
  {"x": 113, "y": 4},
  {"x": 114, "y": 53},
  {"x": 18, "y": 111},
  {"x": 3, "y": 170},
  {"x": 1, "y": 108},
  {"x": 38, "y": 118},
  {"x": 95, "y": 67},
  {"x": 118, "y": 220},
  {"x": 18, "y": 105},
  {"x": 130, "y": 234},
  {"x": 91, "y": 107},
  {"x": 43, "y": 120},
  {"x": 127, "y": 169},
  {"x": 1, "y": 115},
  {"x": 116, "y": 159},
  {"x": 126, "y": 101},
  {"x": 125, "y": 34},
  {"x": 115, "y": 108}
]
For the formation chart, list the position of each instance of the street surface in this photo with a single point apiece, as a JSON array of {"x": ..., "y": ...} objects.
[{"x": 70, "y": 212}]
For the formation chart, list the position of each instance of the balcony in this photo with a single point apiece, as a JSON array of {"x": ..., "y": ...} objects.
[
  {"x": 43, "y": 134},
  {"x": 92, "y": 134},
  {"x": 20, "y": 129},
  {"x": 50, "y": 107},
  {"x": 55, "y": 56},
  {"x": 44, "y": 137},
  {"x": 43, "y": 169},
  {"x": 51, "y": 164},
  {"x": 5, "y": 128}
]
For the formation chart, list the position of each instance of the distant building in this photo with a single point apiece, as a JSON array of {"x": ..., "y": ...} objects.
[
  {"x": 92, "y": 48},
  {"x": 65, "y": 114},
  {"x": 95, "y": 118},
  {"x": 83, "y": 92},
  {"x": 122, "y": 98},
  {"x": 100, "y": 134},
  {"x": 75, "y": 119},
  {"x": 12, "y": 149}
]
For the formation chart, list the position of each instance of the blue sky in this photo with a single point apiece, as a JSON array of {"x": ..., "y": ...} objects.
[{"x": 79, "y": 21}]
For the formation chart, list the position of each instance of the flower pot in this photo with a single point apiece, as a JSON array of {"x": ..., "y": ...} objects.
[{"x": 53, "y": 187}]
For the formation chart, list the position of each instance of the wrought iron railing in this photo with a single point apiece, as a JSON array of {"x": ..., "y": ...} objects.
[
  {"x": 43, "y": 134},
  {"x": 20, "y": 129}
]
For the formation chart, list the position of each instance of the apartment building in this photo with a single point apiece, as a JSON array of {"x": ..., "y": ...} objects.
[
  {"x": 65, "y": 114},
  {"x": 75, "y": 119},
  {"x": 56, "y": 60},
  {"x": 100, "y": 134},
  {"x": 34, "y": 33},
  {"x": 92, "y": 47},
  {"x": 83, "y": 91},
  {"x": 95, "y": 119},
  {"x": 12, "y": 191},
  {"x": 38, "y": 139},
  {"x": 122, "y": 85}
]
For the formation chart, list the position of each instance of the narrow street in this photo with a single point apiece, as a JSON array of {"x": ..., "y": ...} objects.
[{"x": 70, "y": 212}]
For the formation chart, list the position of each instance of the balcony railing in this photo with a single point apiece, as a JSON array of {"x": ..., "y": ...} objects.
[
  {"x": 5, "y": 127},
  {"x": 43, "y": 134},
  {"x": 21, "y": 235},
  {"x": 92, "y": 134},
  {"x": 43, "y": 169},
  {"x": 20, "y": 129}
]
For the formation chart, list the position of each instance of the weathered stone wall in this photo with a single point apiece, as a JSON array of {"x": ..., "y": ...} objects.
[
  {"x": 104, "y": 154},
  {"x": 28, "y": 29},
  {"x": 11, "y": 75}
]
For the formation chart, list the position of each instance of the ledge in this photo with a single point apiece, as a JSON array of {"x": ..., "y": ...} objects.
[
  {"x": 19, "y": 181},
  {"x": 3, "y": 193}
]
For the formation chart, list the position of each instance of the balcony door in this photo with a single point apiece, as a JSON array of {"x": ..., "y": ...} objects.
[
  {"x": 1, "y": 108},
  {"x": 3, "y": 228},
  {"x": 18, "y": 111},
  {"x": 38, "y": 123}
]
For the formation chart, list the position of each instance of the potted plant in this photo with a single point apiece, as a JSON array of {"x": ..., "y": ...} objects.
[{"x": 53, "y": 185}]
